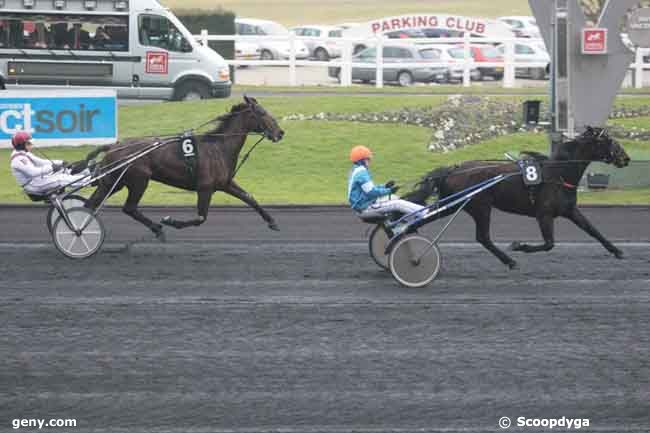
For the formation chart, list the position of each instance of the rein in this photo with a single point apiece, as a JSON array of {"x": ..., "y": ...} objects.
[{"x": 245, "y": 158}]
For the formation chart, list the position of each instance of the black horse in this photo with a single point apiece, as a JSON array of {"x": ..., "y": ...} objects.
[
  {"x": 555, "y": 197},
  {"x": 218, "y": 153}
]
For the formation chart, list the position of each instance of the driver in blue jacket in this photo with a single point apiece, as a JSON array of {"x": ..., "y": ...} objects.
[{"x": 364, "y": 195}]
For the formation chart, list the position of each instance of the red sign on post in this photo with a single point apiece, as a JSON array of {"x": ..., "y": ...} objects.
[
  {"x": 594, "y": 41},
  {"x": 157, "y": 62}
]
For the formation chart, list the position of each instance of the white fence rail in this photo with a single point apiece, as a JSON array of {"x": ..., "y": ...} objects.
[{"x": 346, "y": 63}]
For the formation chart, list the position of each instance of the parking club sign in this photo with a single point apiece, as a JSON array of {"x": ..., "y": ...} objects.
[{"x": 59, "y": 118}]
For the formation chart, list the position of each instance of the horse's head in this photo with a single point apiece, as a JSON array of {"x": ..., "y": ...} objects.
[
  {"x": 601, "y": 147},
  {"x": 261, "y": 120}
]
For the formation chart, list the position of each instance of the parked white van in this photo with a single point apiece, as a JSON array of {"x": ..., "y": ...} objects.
[
  {"x": 137, "y": 47},
  {"x": 270, "y": 49}
]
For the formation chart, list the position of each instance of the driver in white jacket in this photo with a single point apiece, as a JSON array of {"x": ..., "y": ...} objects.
[{"x": 38, "y": 176}]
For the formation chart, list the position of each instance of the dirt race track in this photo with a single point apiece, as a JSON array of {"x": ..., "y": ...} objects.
[{"x": 233, "y": 328}]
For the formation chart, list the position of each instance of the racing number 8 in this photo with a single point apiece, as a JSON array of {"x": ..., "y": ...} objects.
[
  {"x": 188, "y": 147},
  {"x": 531, "y": 173}
]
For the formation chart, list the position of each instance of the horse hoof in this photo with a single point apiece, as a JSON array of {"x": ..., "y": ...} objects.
[
  {"x": 515, "y": 246},
  {"x": 619, "y": 255},
  {"x": 513, "y": 266},
  {"x": 273, "y": 226}
]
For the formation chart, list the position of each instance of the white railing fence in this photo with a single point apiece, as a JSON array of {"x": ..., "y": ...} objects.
[{"x": 346, "y": 61}]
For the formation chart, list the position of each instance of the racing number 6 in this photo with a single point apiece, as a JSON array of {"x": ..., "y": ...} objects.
[{"x": 188, "y": 147}]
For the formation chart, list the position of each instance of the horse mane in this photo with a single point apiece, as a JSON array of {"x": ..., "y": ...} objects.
[
  {"x": 225, "y": 119},
  {"x": 537, "y": 156}
]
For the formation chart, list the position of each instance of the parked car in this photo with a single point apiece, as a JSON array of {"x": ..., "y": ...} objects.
[
  {"x": 247, "y": 51},
  {"x": 454, "y": 56},
  {"x": 487, "y": 54},
  {"x": 522, "y": 27},
  {"x": 270, "y": 49},
  {"x": 328, "y": 47},
  {"x": 528, "y": 52},
  {"x": 433, "y": 32},
  {"x": 405, "y": 34},
  {"x": 394, "y": 56}
]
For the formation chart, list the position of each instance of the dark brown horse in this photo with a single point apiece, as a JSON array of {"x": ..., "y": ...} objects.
[
  {"x": 218, "y": 153},
  {"x": 555, "y": 197}
]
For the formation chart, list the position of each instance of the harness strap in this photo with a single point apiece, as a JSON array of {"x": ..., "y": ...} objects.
[{"x": 245, "y": 158}]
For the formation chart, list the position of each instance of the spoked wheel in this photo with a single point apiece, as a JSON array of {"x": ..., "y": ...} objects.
[
  {"x": 86, "y": 238},
  {"x": 415, "y": 261},
  {"x": 377, "y": 245},
  {"x": 68, "y": 203}
]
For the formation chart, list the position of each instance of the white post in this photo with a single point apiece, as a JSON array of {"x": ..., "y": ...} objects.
[
  {"x": 346, "y": 69},
  {"x": 467, "y": 58},
  {"x": 204, "y": 37},
  {"x": 379, "y": 75},
  {"x": 638, "y": 69},
  {"x": 509, "y": 59},
  {"x": 292, "y": 60}
]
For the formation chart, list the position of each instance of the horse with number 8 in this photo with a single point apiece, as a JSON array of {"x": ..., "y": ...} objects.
[
  {"x": 218, "y": 153},
  {"x": 542, "y": 194}
]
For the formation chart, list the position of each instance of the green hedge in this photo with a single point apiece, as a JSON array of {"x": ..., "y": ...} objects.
[{"x": 216, "y": 22}]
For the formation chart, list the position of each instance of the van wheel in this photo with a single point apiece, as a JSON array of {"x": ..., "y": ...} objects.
[
  {"x": 266, "y": 55},
  {"x": 192, "y": 91},
  {"x": 358, "y": 49},
  {"x": 322, "y": 55}
]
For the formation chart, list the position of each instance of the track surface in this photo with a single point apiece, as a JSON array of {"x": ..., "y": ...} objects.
[{"x": 298, "y": 331}]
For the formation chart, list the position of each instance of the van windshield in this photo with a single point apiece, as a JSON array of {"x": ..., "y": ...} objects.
[{"x": 64, "y": 32}]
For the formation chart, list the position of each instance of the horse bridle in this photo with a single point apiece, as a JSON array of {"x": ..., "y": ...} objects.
[{"x": 266, "y": 132}]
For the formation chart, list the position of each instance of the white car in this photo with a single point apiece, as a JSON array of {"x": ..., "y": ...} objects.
[
  {"x": 522, "y": 26},
  {"x": 530, "y": 52},
  {"x": 270, "y": 49},
  {"x": 247, "y": 51},
  {"x": 328, "y": 47},
  {"x": 454, "y": 57}
]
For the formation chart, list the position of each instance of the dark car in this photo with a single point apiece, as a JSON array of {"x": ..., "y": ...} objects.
[
  {"x": 441, "y": 33},
  {"x": 394, "y": 56}
]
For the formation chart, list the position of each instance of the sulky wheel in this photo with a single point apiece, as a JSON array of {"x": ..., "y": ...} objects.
[
  {"x": 415, "y": 261},
  {"x": 86, "y": 238},
  {"x": 69, "y": 202},
  {"x": 377, "y": 245}
]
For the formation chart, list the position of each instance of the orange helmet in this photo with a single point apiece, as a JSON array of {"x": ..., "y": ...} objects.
[{"x": 359, "y": 153}]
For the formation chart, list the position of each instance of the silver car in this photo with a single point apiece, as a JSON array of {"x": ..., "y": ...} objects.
[{"x": 394, "y": 56}]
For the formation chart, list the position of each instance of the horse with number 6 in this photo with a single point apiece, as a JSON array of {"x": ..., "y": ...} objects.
[
  {"x": 555, "y": 196},
  {"x": 217, "y": 153}
]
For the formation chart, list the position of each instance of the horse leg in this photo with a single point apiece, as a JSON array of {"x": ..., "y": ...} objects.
[
  {"x": 136, "y": 191},
  {"x": 546, "y": 226},
  {"x": 203, "y": 204},
  {"x": 236, "y": 191},
  {"x": 581, "y": 221},
  {"x": 482, "y": 219}
]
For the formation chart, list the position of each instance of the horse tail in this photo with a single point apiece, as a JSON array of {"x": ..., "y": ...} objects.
[
  {"x": 429, "y": 185},
  {"x": 100, "y": 149}
]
